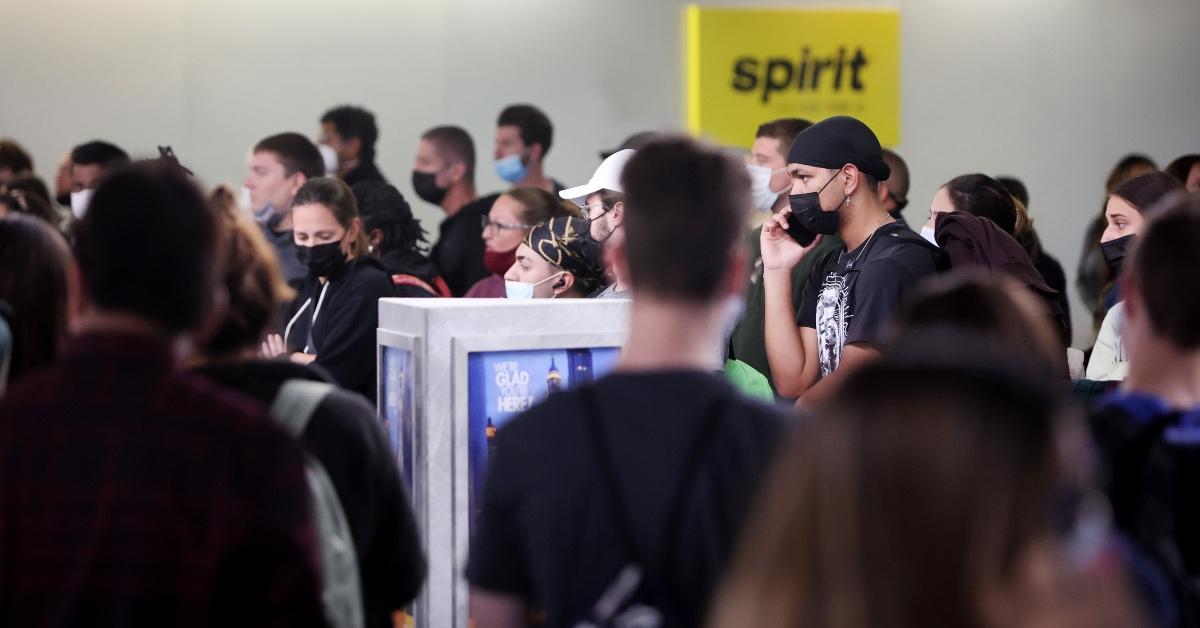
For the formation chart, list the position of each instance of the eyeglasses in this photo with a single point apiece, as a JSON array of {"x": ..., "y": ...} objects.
[
  {"x": 587, "y": 210},
  {"x": 487, "y": 222}
]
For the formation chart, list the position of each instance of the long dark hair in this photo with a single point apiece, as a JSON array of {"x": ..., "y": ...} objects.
[
  {"x": 983, "y": 196},
  {"x": 1144, "y": 191},
  {"x": 34, "y": 268}
]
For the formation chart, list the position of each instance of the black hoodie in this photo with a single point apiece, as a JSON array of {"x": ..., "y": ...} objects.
[{"x": 347, "y": 313}]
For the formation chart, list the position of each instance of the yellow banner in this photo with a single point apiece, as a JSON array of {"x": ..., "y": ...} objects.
[{"x": 749, "y": 66}]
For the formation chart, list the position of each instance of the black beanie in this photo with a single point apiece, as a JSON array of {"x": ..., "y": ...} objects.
[{"x": 837, "y": 141}]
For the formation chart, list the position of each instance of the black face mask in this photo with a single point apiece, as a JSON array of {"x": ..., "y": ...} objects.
[
  {"x": 322, "y": 260},
  {"x": 1115, "y": 251},
  {"x": 806, "y": 210},
  {"x": 425, "y": 185}
]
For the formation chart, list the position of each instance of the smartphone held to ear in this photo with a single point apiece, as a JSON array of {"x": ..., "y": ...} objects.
[{"x": 798, "y": 233}]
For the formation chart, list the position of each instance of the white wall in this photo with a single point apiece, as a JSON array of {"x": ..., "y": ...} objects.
[{"x": 1053, "y": 91}]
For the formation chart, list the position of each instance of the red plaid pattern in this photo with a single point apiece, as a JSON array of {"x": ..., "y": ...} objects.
[{"x": 135, "y": 494}]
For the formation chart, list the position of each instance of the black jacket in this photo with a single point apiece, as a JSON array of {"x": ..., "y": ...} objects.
[
  {"x": 346, "y": 436},
  {"x": 364, "y": 171},
  {"x": 343, "y": 336},
  {"x": 414, "y": 264},
  {"x": 458, "y": 253}
]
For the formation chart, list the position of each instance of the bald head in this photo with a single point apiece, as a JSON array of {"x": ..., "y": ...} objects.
[{"x": 893, "y": 192}]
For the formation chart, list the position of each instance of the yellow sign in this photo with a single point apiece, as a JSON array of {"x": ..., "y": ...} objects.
[{"x": 749, "y": 66}]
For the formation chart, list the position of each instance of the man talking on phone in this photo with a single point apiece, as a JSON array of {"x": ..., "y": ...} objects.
[{"x": 853, "y": 290}]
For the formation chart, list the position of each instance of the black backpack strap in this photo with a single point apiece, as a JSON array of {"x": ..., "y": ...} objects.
[{"x": 608, "y": 473}]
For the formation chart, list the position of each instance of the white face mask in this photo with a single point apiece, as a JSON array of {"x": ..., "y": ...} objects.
[
  {"x": 762, "y": 197},
  {"x": 523, "y": 289},
  {"x": 80, "y": 201},
  {"x": 927, "y": 233},
  {"x": 329, "y": 156}
]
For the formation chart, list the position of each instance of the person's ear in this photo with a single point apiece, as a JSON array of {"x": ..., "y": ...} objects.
[
  {"x": 296, "y": 181},
  {"x": 853, "y": 178},
  {"x": 376, "y": 238},
  {"x": 352, "y": 236},
  {"x": 536, "y": 151},
  {"x": 881, "y": 192},
  {"x": 564, "y": 283},
  {"x": 456, "y": 172},
  {"x": 354, "y": 146},
  {"x": 616, "y": 215}
]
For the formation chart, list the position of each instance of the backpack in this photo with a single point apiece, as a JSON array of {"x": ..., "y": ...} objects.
[
  {"x": 1153, "y": 457},
  {"x": 438, "y": 289},
  {"x": 341, "y": 591},
  {"x": 639, "y": 597}
]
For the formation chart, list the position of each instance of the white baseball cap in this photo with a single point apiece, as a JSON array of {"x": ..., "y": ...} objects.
[{"x": 606, "y": 177}]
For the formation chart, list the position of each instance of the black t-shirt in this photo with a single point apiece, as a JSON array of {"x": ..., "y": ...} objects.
[
  {"x": 347, "y": 437},
  {"x": 547, "y": 530},
  {"x": 458, "y": 253},
  {"x": 851, "y": 295}
]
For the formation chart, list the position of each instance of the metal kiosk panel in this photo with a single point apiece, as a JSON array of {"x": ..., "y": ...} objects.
[{"x": 433, "y": 355}]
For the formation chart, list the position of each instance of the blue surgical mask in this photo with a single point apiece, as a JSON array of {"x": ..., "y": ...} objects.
[
  {"x": 511, "y": 168},
  {"x": 518, "y": 289}
]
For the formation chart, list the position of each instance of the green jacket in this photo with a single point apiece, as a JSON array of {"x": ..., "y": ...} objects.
[{"x": 748, "y": 340}]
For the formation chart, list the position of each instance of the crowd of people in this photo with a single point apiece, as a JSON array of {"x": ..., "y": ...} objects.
[{"x": 822, "y": 416}]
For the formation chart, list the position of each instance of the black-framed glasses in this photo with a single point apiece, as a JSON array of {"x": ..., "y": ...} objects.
[
  {"x": 486, "y": 222},
  {"x": 901, "y": 203}
]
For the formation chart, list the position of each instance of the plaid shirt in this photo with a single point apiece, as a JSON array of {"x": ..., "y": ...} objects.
[{"x": 135, "y": 494}]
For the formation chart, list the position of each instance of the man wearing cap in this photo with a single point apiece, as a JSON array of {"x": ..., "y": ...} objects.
[
  {"x": 602, "y": 200},
  {"x": 769, "y": 180},
  {"x": 852, "y": 291}
]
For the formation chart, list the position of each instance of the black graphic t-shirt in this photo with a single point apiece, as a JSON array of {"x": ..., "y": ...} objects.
[{"x": 851, "y": 295}]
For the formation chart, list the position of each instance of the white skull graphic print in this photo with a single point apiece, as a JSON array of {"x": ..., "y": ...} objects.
[{"x": 833, "y": 304}]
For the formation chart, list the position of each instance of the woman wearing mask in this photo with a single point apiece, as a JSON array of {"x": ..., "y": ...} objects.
[
  {"x": 973, "y": 219},
  {"x": 505, "y": 226},
  {"x": 555, "y": 261},
  {"x": 333, "y": 319},
  {"x": 1092, "y": 278},
  {"x": 1124, "y": 215}
]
